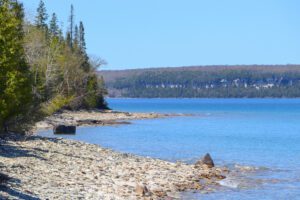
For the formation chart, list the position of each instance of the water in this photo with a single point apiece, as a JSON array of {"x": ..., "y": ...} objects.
[{"x": 261, "y": 134}]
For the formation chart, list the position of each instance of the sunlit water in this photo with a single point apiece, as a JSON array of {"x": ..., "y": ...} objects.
[{"x": 263, "y": 134}]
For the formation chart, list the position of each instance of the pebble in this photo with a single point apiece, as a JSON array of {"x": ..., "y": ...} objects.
[{"x": 44, "y": 168}]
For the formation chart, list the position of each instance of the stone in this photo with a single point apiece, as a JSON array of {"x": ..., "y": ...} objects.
[
  {"x": 95, "y": 172},
  {"x": 206, "y": 160},
  {"x": 3, "y": 178},
  {"x": 89, "y": 121},
  {"x": 64, "y": 129},
  {"x": 159, "y": 192},
  {"x": 141, "y": 190}
]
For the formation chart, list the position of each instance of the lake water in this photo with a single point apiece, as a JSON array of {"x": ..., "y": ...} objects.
[{"x": 261, "y": 134}]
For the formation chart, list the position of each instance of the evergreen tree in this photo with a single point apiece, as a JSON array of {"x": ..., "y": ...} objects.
[
  {"x": 94, "y": 93},
  {"x": 82, "y": 48},
  {"x": 82, "y": 44},
  {"x": 68, "y": 39},
  {"x": 76, "y": 37},
  {"x": 53, "y": 27},
  {"x": 60, "y": 34},
  {"x": 42, "y": 16},
  {"x": 15, "y": 84},
  {"x": 71, "y": 20}
]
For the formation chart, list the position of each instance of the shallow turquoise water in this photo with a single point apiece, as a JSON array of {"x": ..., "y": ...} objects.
[{"x": 261, "y": 133}]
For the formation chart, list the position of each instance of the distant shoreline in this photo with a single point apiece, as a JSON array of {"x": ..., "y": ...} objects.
[{"x": 218, "y": 81}]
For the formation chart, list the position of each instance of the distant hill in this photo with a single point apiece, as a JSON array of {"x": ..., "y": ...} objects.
[{"x": 240, "y": 81}]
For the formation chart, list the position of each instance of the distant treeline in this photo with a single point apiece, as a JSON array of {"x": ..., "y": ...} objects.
[
  {"x": 206, "y": 81},
  {"x": 42, "y": 69}
]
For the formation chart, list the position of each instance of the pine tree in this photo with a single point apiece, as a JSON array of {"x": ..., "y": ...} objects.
[
  {"x": 15, "y": 84},
  {"x": 71, "y": 20},
  {"x": 53, "y": 27},
  {"x": 82, "y": 44},
  {"x": 82, "y": 48},
  {"x": 60, "y": 34},
  {"x": 76, "y": 37},
  {"x": 94, "y": 93},
  {"x": 42, "y": 16},
  {"x": 68, "y": 39}
]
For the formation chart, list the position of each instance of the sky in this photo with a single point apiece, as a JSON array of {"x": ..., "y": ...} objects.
[{"x": 166, "y": 33}]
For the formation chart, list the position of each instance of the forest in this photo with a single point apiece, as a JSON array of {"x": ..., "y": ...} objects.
[
  {"x": 43, "y": 69},
  {"x": 256, "y": 81}
]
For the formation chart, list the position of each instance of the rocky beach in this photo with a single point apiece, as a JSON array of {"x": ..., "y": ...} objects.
[
  {"x": 44, "y": 168},
  {"x": 34, "y": 167}
]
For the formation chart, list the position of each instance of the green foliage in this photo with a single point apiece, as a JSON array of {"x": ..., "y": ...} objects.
[
  {"x": 94, "y": 97},
  {"x": 15, "y": 77},
  {"x": 69, "y": 40},
  {"x": 82, "y": 44},
  {"x": 55, "y": 104},
  {"x": 76, "y": 37},
  {"x": 62, "y": 67},
  {"x": 71, "y": 31},
  {"x": 217, "y": 82},
  {"x": 91, "y": 97},
  {"x": 41, "y": 72},
  {"x": 53, "y": 26},
  {"x": 42, "y": 16}
]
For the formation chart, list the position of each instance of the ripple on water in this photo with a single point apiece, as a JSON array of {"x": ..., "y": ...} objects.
[{"x": 251, "y": 182}]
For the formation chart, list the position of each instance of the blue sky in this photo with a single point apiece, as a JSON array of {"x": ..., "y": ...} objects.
[{"x": 165, "y": 33}]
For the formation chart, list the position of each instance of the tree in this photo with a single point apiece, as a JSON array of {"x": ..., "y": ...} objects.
[
  {"x": 95, "y": 87},
  {"x": 68, "y": 39},
  {"x": 53, "y": 27},
  {"x": 94, "y": 93},
  {"x": 71, "y": 20},
  {"x": 40, "y": 70},
  {"x": 76, "y": 37},
  {"x": 82, "y": 44},
  {"x": 42, "y": 16},
  {"x": 82, "y": 48},
  {"x": 15, "y": 77},
  {"x": 35, "y": 45}
]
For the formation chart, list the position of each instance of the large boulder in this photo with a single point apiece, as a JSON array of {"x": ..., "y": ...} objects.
[
  {"x": 64, "y": 129},
  {"x": 206, "y": 160}
]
